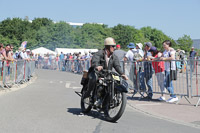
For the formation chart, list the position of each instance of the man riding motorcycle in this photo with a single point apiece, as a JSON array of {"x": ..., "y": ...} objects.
[{"x": 103, "y": 59}]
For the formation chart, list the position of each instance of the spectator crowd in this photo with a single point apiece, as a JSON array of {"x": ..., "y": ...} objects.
[
  {"x": 12, "y": 65},
  {"x": 144, "y": 59}
]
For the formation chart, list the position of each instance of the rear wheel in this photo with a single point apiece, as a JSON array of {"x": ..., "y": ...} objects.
[
  {"x": 85, "y": 102},
  {"x": 115, "y": 109}
]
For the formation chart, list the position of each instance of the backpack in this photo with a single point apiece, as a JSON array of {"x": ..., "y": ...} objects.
[{"x": 19, "y": 56}]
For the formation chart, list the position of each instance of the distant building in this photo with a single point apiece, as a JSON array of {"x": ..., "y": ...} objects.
[
  {"x": 71, "y": 23},
  {"x": 78, "y": 24}
]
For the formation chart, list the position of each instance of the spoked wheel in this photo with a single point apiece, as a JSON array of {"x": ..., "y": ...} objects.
[
  {"x": 116, "y": 108},
  {"x": 85, "y": 102}
]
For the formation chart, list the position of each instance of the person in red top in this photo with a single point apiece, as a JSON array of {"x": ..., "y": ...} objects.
[{"x": 159, "y": 68}]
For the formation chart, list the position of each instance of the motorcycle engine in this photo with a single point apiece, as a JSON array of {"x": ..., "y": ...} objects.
[{"x": 100, "y": 89}]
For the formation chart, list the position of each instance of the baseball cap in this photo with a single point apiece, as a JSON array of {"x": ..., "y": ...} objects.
[
  {"x": 152, "y": 49},
  {"x": 118, "y": 46},
  {"x": 149, "y": 44}
]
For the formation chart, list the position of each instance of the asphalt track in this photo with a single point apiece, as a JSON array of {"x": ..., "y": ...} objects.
[{"x": 49, "y": 105}]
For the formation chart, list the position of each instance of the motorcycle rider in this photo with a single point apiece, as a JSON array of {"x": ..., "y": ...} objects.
[{"x": 103, "y": 59}]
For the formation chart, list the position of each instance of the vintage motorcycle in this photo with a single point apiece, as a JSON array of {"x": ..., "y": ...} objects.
[{"x": 109, "y": 95}]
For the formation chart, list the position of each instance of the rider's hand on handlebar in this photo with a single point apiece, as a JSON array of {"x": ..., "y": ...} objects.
[
  {"x": 99, "y": 68},
  {"x": 125, "y": 77}
]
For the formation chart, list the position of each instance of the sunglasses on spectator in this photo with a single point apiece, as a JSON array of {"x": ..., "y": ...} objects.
[{"x": 113, "y": 46}]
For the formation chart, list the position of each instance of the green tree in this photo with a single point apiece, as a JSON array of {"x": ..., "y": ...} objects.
[
  {"x": 156, "y": 37},
  {"x": 55, "y": 35},
  {"x": 14, "y": 28},
  {"x": 6, "y": 40},
  {"x": 93, "y": 35},
  {"x": 123, "y": 34},
  {"x": 185, "y": 43},
  {"x": 37, "y": 23}
]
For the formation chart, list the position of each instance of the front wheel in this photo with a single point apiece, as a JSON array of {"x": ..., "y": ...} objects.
[
  {"x": 116, "y": 108},
  {"x": 85, "y": 102}
]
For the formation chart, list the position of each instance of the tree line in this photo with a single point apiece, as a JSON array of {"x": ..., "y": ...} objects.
[{"x": 43, "y": 32}]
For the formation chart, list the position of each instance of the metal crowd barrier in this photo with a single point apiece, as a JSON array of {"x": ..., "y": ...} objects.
[
  {"x": 71, "y": 65},
  {"x": 15, "y": 72},
  {"x": 77, "y": 66},
  {"x": 193, "y": 69},
  {"x": 186, "y": 85}
]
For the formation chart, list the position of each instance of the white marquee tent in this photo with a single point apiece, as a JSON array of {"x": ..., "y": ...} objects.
[
  {"x": 71, "y": 50},
  {"x": 42, "y": 51}
]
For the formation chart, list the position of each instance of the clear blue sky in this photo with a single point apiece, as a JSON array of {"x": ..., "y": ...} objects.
[{"x": 174, "y": 17}]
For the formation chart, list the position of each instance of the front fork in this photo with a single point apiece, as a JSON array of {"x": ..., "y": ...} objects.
[{"x": 112, "y": 94}]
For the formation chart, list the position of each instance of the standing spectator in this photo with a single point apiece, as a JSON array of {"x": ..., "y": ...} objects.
[
  {"x": 130, "y": 54},
  {"x": 159, "y": 70},
  {"x": 120, "y": 54},
  {"x": 148, "y": 72},
  {"x": 36, "y": 60},
  {"x": 57, "y": 58},
  {"x": 87, "y": 61},
  {"x": 9, "y": 58},
  {"x": 139, "y": 69},
  {"x": 8, "y": 53},
  {"x": 169, "y": 54},
  {"x": 28, "y": 52},
  {"x": 90, "y": 53},
  {"x": 61, "y": 60},
  {"x": 40, "y": 61},
  {"x": 2, "y": 51},
  {"x": 50, "y": 60},
  {"x": 130, "y": 57},
  {"x": 180, "y": 56},
  {"x": 65, "y": 59},
  {"x": 192, "y": 59}
]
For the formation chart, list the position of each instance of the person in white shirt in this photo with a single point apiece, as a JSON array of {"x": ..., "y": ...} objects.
[
  {"x": 130, "y": 56},
  {"x": 169, "y": 54}
]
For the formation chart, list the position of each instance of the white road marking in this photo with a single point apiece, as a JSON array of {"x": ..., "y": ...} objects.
[
  {"x": 76, "y": 87},
  {"x": 70, "y": 81},
  {"x": 61, "y": 82},
  {"x": 51, "y": 82},
  {"x": 67, "y": 85}
]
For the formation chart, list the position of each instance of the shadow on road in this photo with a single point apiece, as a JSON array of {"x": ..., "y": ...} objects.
[{"x": 93, "y": 114}]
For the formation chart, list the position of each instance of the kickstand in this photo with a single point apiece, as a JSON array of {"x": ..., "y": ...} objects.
[{"x": 78, "y": 93}]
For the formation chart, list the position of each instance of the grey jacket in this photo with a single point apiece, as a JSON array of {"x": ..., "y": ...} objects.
[{"x": 99, "y": 60}]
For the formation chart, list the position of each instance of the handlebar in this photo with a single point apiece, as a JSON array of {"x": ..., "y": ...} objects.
[{"x": 104, "y": 72}]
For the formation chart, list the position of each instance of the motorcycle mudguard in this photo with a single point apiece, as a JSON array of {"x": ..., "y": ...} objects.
[{"x": 121, "y": 88}]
